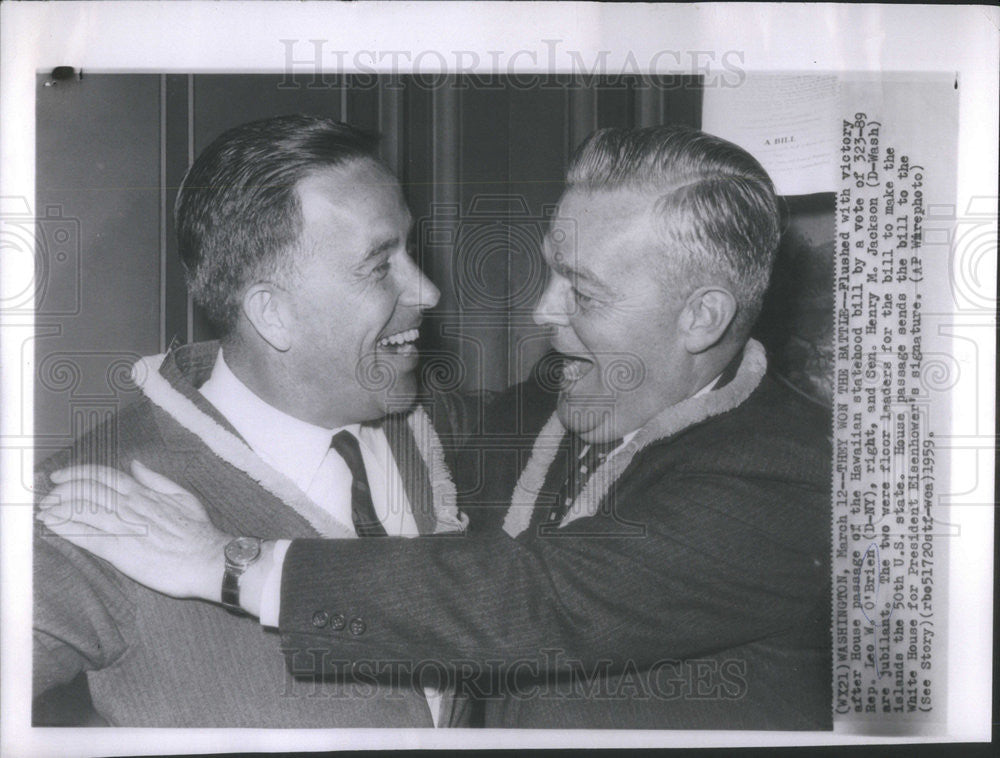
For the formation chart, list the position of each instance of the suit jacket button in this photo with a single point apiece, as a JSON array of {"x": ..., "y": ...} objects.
[
  {"x": 357, "y": 627},
  {"x": 338, "y": 622},
  {"x": 321, "y": 619}
]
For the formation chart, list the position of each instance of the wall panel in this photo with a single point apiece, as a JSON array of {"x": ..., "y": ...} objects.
[
  {"x": 98, "y": 202},
  {"x": 540, "y": 127}
]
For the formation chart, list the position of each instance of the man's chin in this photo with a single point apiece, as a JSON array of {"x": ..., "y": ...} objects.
[
  {"x": 402, "y": 395},
  {"x": 583, "y": 419},
  {"x": 390, "y": 383}
]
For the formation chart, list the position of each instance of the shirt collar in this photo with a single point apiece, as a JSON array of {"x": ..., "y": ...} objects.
[
  {"x": 708, "y": 387},
  {"x": 293, "y": 447}
]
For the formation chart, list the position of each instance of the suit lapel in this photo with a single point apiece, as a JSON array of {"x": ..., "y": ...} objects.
[
  {"x": 173, "y": 391},
  {"x": 188, "y": 367},
  {"x": 554, "y": 479},
  {"x": 412, "y": 470}
]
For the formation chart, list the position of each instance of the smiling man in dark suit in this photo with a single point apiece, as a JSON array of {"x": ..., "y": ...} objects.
[{"x": 664, "y": 559}]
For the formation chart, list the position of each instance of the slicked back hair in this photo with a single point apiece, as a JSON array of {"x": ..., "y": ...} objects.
[
  {"x": 238, "y": 214},
  {"x": 715, "y": 206}
]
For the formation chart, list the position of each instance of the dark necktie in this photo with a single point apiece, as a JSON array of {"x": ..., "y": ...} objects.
[
  {"x": 366, "y": 523},
  {"x": 585, "y": 463}
]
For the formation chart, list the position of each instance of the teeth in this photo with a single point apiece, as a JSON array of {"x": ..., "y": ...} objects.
[
  {"x": 400, "y": 338},
  {"x": 575, "y": 369}
]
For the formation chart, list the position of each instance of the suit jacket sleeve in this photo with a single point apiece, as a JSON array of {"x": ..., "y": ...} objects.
[{"x": 724, "y": 554}]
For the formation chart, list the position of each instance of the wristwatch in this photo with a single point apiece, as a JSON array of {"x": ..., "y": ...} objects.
[{"x": 240, "y": 553}]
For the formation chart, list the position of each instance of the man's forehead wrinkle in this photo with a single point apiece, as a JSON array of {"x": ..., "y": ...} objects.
[
  {"x": 603, "y": 221},
  {"x": 639, "y": 197}
]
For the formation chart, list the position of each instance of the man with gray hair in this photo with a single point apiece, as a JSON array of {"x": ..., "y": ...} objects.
[{"x": 663, "y": 558}]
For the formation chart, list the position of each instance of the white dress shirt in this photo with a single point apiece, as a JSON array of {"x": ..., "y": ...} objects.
[{"x": 301, "y": 451}]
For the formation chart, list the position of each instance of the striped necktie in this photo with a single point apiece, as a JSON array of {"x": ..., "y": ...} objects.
[
  {"x": 366, "y": 523},
  {"x": 586, "y": 463}
]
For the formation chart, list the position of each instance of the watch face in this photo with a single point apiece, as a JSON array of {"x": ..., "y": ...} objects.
[{"x": 243, "y": 550}]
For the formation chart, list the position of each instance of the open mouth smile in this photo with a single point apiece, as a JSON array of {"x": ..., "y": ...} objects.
[
  {"x": 402, "y": 343},
  {"x": 574, "y": 368}
]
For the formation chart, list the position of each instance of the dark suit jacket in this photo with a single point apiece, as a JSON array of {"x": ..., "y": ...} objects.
[{"x": 700, "y": 599}]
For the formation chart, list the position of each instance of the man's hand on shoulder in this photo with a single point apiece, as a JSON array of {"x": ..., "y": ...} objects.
[{"x": 149, "y": 528}]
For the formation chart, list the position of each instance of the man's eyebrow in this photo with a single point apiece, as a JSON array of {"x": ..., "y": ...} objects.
[
  {"x": 585, "y": 274},
  {"x": 380, "y": 248}
]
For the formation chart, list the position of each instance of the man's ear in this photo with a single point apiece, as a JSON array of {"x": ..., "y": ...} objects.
[
  {"x": 264, "y": 308},
  {"x": 708, "y": 312}
]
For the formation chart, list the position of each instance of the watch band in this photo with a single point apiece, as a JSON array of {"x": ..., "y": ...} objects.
[{"x": 231, "y": 591}]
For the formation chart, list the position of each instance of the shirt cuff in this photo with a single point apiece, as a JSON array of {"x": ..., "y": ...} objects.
[{"x": 270, "y": 601}]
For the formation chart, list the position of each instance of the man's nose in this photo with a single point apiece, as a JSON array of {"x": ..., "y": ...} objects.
[
  {"x": 418, "y": 291},
  {"x": 551, "y": 308}
]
